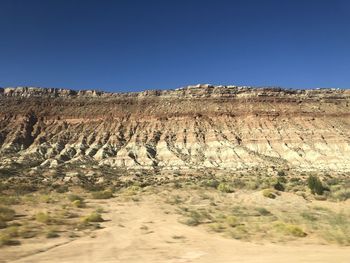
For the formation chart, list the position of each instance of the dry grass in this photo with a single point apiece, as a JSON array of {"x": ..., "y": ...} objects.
[
  {"x": 254, "y": 212},
  {"x": 44, "y": 214},
  {"x": 254, "y": 219}
]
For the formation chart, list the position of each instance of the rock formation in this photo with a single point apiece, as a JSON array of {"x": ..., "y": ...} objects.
[{"x": 202, "y": 126}]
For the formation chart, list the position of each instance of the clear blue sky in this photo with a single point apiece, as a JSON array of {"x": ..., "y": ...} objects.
[{"x": 138, "y": 45}]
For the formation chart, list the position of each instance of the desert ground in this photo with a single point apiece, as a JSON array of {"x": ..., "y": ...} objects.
[{"x": 194, "y": 220}]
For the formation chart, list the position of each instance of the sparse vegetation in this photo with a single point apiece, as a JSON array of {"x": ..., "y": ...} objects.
[
  {"x": 9, "y": 200},
  {"x": 315, "y": 185},
  {"x": 132, "y": 190},
  {"x": 73, "y": 197},
  {"x": 105, "y": 194},
  {"x": 27, "y": 232},
  {"x": 6, "y": 240},
  {"x": 263, "y": 211},
  {"x": 61, "y": 188},
  {"x": 239, "y": 232},
  {"x": 309, "y": 216},
  {"x": 193, "y": 220},
  {"x": 338, "y": 230},
  {"x": 79, "y": 203},
  {"x": 269, "y": 193},
  {"x": 225, "y": 188},
  {"x": 43, "y": 217},
  {"x": 281, "y": 173},
  {"x": 232, "y": 221},
  {"x": 196, "y": 217},
  {"x": 290, "y": 229},
  {"x": 6, "y": 214},
  {"x": 279, "y": 187},
  {"x": 174, "y": 200},
  {"x": 92, "y": 218},
  {"x": 201, "y": 202},
  {"x": 217, "y": 227},
  {"x": 211, "y": 183},
  {"x": 342, "y": 194},
  {"x": 52, "y": 233}
]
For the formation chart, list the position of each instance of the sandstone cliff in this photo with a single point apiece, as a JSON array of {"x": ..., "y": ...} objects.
[{"x": 203, "y": 126}]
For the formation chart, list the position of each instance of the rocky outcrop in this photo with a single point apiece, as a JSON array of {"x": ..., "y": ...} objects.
[{"x": 202, "y": 126}]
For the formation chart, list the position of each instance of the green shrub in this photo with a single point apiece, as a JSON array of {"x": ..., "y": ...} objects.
[
  {"x": 74, "y": 197},
  {"x": 52, "y": 233},
  {"x": 282, "y": 180},
  {"x": 281, "y": 173},
  {"x": 100, "y": 210},
  {"x": 290, "y": 229},
  {"x": 12, "y": 231},
  {"x": 310, "y": 216},
  {"x": 3, "y": 223},
  {"x": 61, "y": 188},
  {"x": 211, "y": 183},
  {"x": 174, "y": 200},
  {"x": 93, "y": 217},
  {"x": 252, "y": 185},
  {"x": 225, "y": 188},
  {"x": 44, "y": 218},
  {"x": 106, "y": 194},
  {"x": 217, "y": 227},
  {"x": 238, "y": 183},
  {"x": 132, "y": 190},
  {"x": 315, "y": 185},
  {"x": 26, "y": 232},
  {"x": 79, "y": 204},
  {"x": 296, "y": 231},
  {"x": 192, "y": 221},
  {"x": 263, "y": 211},
  {"x": 6, "y": 214},
  {"x": 177, "y": 185},
  {"x": 16, "y": 231},
  {"x": 269, "y": 193},
  {"x": 6, "y": 240},
  {"x": 279, "y": 187},
  {"x": 195, "y": 218},
  {"x": 239, "y": 232},
  {"x": 232, "y": 221}
]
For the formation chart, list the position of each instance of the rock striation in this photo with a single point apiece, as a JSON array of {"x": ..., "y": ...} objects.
[{"x": 194, "y": 127}]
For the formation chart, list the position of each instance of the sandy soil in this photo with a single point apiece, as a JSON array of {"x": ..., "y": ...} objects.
[{"x": 144, "y": 232}]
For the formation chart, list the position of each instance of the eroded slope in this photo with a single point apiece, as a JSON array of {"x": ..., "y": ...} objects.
[{"x": 223, "y": 127}]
